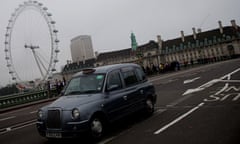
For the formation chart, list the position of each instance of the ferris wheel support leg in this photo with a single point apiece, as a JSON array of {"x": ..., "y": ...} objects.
[
  {"x": 35, "y": 57},
  {"x": 41, "y": 62}
]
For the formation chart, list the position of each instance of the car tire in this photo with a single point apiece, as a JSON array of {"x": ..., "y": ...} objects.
[
  {"x": 149, "y": 107},
  {"x": 96, "y": 128}
]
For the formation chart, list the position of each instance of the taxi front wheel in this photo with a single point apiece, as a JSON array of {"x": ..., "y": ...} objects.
[{"x": 97, "y": 128}]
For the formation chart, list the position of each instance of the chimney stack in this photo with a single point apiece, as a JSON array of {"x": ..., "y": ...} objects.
[
  {"x": 182, "y": 35},
  {"x": 68, "y": 62},
  {"x": 159, "y": 41},
  {"x": 96, "y": 54},
  {"x": 199, "y": 30},
  {"x": 194, "y": 33},
  {"x": 220, "y": 27},
  {"x": 233, "y": 22}
]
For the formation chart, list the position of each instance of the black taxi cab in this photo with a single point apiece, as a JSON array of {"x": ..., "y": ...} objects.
[{"x": 94, "y": 98}]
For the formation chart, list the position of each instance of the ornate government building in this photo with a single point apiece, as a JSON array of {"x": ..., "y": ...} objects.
[{"x": 199, "y": 47}]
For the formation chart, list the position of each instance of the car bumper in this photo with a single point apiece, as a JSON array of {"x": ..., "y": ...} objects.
[{"x": 68, "y": 130}]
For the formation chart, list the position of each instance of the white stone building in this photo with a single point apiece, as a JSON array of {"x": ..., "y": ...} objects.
[{"x": 81, "y": 48}]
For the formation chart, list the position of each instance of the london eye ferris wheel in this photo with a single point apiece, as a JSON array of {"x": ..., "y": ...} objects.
[{"x": 31, "y": 43}]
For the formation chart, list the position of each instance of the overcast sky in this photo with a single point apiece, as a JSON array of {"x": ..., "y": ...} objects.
[{"x": 110, "y": 22}]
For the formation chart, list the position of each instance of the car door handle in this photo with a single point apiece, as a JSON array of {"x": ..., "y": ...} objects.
[
  {"x": 125, "y": 97},
  {"x": 141, "y": 91}
]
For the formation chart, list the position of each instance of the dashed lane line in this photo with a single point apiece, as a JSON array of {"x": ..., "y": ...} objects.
[
  {"x": 7, "y": 118},
  {"x": 17, "y": 126},
  {"x": 32, "y": 112}
]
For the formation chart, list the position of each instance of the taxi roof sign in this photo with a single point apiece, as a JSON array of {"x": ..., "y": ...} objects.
[{"x": 88, "y": 71}]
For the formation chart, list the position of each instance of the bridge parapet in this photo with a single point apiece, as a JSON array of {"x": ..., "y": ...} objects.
[{"x": 18, "y": 99}]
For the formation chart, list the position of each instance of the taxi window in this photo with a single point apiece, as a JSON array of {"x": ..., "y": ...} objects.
[
  {"x": 129, "y": 77},
  {"x": 140, "y": 74},
  {"x": 114, "y": 81},
  {"x": 85, "y": 84}
]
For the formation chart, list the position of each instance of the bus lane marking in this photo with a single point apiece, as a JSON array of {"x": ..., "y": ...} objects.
[
  {"x": 178, "y": 119},
  {"x": 215, "y": 97},
  {"x": 212, "y": 82},
  {"x": 220, "y": 96},
  {"x": 236, "y": 97}
]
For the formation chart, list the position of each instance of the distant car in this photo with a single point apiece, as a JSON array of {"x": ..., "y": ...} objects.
[{"x": 95, "y": 98}]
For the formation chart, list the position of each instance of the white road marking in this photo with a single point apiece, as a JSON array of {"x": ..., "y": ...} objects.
[
  {"x": 190, "y": 80},
  {"x": 232, "y": 88},
  {"x": 229, "y": 75},
  {"x": 202, "y": 87},
  {"x": 189, "y": 91},
  {"x": 230, "y": 81},
  {"x": 33, "y": 112},
  {"x": 225, "y": 97},
  {"x": 107, "y": 140},
  {"x": 15, "y": 111},
  {"x": 7, "y": 118},
  {"x": 160, "y": 111},
  {"x": 210, "y": 83},
  {"x": 24, "y": 126},
  {"x": 237, "y": 97},
  {"x": 223, "y": 89},
  {"x": 13, "y": 129},
  {"x": 17, "y": 126},
  {"x": 8, "y": 129},
  {"x": 213, "y": 98},
  {"x": 178, "y": 119}
]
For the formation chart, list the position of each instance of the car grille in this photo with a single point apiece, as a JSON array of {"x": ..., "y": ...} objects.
[{"x": 54, "y": 119}]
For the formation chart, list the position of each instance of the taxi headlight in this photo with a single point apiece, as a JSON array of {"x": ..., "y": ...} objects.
[
  {"x": 40, "y": 114},
  {"x": 75, "y": 113}
]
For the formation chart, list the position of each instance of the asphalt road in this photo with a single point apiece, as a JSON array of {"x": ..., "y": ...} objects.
[{"x": 197, "y": 105}]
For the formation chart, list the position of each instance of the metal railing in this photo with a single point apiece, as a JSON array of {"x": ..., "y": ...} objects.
[{"x": 23, "y": 98}]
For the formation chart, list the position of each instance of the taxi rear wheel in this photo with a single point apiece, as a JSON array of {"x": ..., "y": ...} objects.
[{"x": 149, "y": 106}]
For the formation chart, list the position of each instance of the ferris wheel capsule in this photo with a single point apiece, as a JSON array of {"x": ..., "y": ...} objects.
[
  {"x": 55, "y": 60},
  {"x": 57, "y": 50},
  {"x": 55, "y": 31},
  {"x": 53, "y": 22}
]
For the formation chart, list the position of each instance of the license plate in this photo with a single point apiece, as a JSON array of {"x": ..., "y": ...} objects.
[{"x": 53, "y": 135}]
